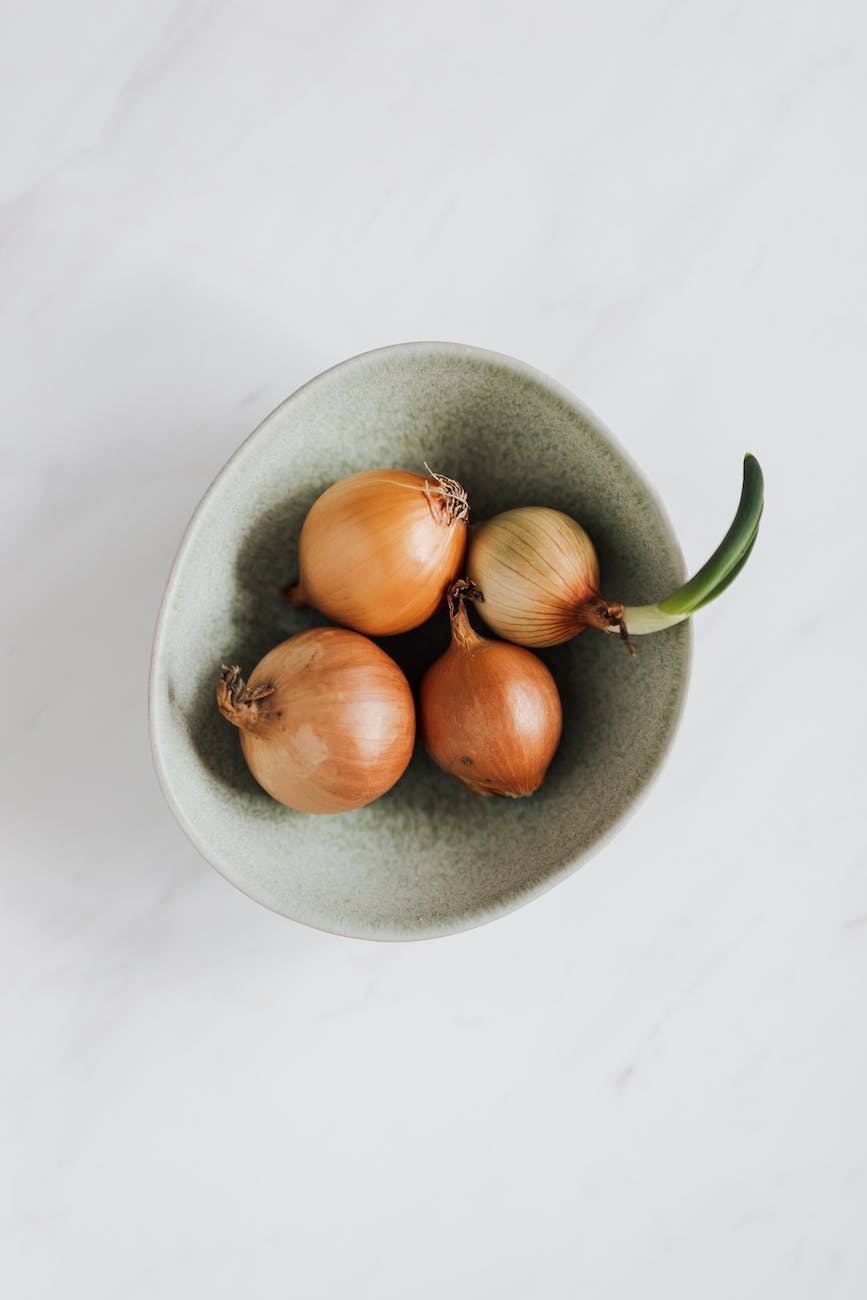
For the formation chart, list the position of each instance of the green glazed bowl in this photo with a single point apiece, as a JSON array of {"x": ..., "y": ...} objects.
[{"x": 429, "y": 858}]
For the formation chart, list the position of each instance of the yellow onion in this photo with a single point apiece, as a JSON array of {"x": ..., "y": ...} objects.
[
  {"x": 539, "y": 574},
  {"x": 379, "y": 549},
  {"x": 326, "y": 719},
  {"x": 489, "y": 711}
]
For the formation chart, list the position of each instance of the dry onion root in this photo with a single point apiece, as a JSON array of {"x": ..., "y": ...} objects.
[
  {"x": 540, "y": 575},
  {"x": 379, "y": 549},
  {"x": 327, "y": 720},
  {"x": 489, "y": 712}
]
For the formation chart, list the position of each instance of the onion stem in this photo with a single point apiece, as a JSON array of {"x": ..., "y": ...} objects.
[{"x": 720, "y": 570}]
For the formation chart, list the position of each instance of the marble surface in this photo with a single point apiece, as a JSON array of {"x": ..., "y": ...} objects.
[{"x": 651, "y": 1081}]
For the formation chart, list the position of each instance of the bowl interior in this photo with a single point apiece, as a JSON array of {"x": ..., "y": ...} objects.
[{"x": 429, "y": 857}]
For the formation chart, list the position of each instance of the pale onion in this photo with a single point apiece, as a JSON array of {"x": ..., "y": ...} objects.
[
  {"x": 539, "y": 574},
  {"x": 326, "y": 719},
  {"x": 489, "y": 712},
  {"x": 379, "y": 549}
]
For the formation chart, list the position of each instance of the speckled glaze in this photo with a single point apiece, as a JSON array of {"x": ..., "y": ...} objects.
[{"x": 429, "y": 858}]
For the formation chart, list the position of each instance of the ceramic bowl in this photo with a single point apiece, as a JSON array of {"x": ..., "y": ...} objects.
[{"x": 429, "y": 858}]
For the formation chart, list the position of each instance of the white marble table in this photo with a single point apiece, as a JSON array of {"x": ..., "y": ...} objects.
[{"x": 652, "y": 1081}]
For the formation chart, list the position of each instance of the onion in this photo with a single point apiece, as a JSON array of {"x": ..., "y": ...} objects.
[
  {"x": 540, "y": 577},
  {"x": 326, "y": 719},
  {"x": 489, "y": 712},
  {"x": 539, "y": 574},
  {"x": 379, "y": 549}
]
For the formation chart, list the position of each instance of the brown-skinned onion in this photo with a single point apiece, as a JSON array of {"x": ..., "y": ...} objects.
[
  {"x": 327, "y": 720},
  {"x": 378, "y": 549},
  {"x": 489, "y": 711}
]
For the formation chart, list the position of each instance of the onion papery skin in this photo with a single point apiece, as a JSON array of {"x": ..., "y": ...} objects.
[
  {"x": 490, "y": 715},
  {"x": 539, "y": 575},
  {"x": 379, "y": 549},
  {"x": 327, "y": 720}
]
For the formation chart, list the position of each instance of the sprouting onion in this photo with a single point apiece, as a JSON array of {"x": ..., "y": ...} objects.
[{"x": 539, "y": 574}]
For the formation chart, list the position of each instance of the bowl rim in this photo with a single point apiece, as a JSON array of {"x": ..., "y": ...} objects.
[{"x": 520, "y": 897}]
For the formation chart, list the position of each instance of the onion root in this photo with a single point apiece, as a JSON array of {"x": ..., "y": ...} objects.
[{"x": 236, "y": 702}]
